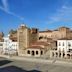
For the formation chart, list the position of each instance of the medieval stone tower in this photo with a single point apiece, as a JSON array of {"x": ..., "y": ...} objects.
[
  {"x": 26, "y": 36},
  {"x": 23, "y": 38}
]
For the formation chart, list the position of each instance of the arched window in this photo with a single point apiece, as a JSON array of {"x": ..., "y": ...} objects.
[
  {"x": 28, "y": 52},
  {"x": 59, "y": 49},
  {"x": 69, "y": 44},
  {"x": 59, "y": 44},
  {"x": 37, "y": 52},
  {"x": 41, "y": 52},
  {"x": 63, "y": 50},
  {"x": 63, "y": 43},
  {"x": 41, "y": 37}
]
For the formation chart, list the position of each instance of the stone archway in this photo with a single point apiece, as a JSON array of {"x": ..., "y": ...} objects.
[
  {"x": 33, "y": 53},
  {"x": 68, "y": 56},
  {"x": 71, "y": 56},
  {"x": 59, "y": 54},
  {"x": 52, "y": 54},
  {"x": 56, "y": 54},
  {"x": 63, "y": 55}
]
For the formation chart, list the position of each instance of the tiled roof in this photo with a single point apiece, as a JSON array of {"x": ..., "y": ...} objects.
[
  {"x": 36, "y": 47},
  {"x": 40, "y": 43}
]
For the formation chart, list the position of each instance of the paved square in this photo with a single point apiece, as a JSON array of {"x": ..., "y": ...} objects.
[{"x": 25, "y": 66}]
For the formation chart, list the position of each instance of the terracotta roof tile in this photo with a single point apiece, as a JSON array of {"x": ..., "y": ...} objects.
[
  {"x": 40, "y": 43},
  {"x": 36, "y": 47}
]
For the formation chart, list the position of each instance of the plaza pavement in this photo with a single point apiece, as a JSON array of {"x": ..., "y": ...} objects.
[
  {"x": 40, "y": 60},
  {"x": 28, "y": 66}
]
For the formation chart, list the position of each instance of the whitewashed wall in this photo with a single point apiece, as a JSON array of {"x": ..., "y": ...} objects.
[{"x": 65, "y": 47}]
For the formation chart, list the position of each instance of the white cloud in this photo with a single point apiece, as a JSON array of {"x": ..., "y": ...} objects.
[
  {"x": 64, "y": 14},
  {"x": 5, "y": 8},
  {"x": 5, "y": 4}
]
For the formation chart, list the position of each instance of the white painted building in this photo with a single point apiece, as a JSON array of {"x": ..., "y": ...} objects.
[
  {"x": 64, "y": 45},
  {"x": 64, "y": 49},
  {"x": 1, "y": 47},
  {"x": 9, "y": 47}
]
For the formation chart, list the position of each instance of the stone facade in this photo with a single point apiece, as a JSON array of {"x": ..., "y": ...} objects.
[
  {"x": 61, "y": 32},
  {"x": 1, "y": 47},
  {"x": 25, "y": 37},
  {"x": 33, "y": 35},
  {"x": 1, "y": 36},
  {"x": 35, "y": 51}
]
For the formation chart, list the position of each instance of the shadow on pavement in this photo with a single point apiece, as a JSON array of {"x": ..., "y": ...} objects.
[
  {"x": 15, "y": 69},
  {"x": 3, "y": 62},
  {"x": 34, "y": 71}
]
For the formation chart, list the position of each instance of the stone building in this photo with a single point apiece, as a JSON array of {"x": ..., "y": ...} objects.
[
  {"x": 33, "y": 35},
  {"x": 37, "y": 49},
  {"x": 1, "y": 36},
  {"x": 1, "y": 42},
  {"x": 45, "y": 34},
  {"x": 23, "y": 39},
  {"x": 61, "y": 32},
  {"x": 26, "y": 36},
  {"x": 1, "y": 47}
]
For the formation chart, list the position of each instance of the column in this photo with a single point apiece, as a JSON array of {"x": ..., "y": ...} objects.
[
  {"x": 51, "y": 54},
  {"x": 70, "y": 56},
  {"x": 61, "y": 54},
  {"x": 58, "y": 54},
  {"x": 65, "y": 55},
  {"x": 54, "y": 54}
]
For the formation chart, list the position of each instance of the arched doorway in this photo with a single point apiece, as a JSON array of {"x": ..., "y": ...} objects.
[
  {"x": 52, "y": 54},
  {"x": 56, "y": 54},
  {"x": 33, "y": 53},
  {"x": 71, "y": 56},
  {"x": 59, "y": 54},
  {"x": 28, "y": 52},
  {"x": 68, "y": 56},
  {"x": 63, "y": 55}
]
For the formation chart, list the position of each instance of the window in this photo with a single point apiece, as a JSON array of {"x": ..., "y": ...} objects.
[
  {"x": 63, "y": 49},
  {"x": 63, "y": 43},
  {"x": 28, "y": 52},
  {"x": 69, "y": 44},
  {"x": 41, "y": 37},
  {"x": 59, "y": 44},
  {"x": 59, "y": 50},
  {"x": 41, "y": 52},
  {"x": 37, "y": 52},
  {"x": 56, "y": 43}
]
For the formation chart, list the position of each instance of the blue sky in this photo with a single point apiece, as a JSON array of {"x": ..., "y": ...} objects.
[{"x": 43, "y": 14}]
